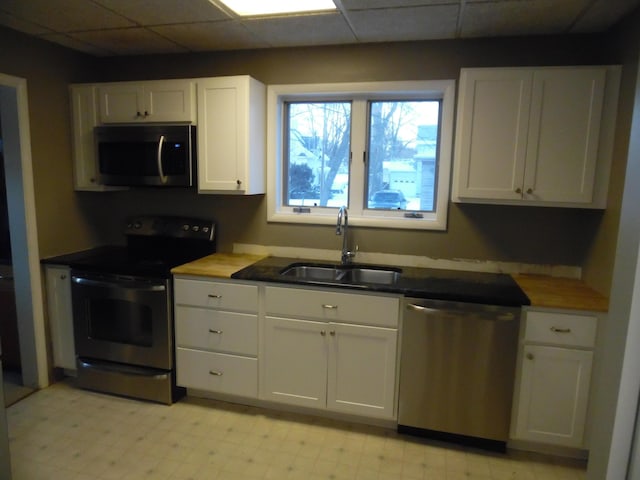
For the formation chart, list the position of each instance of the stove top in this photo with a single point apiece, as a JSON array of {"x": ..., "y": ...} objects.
[{"x": 155, "y": 244}]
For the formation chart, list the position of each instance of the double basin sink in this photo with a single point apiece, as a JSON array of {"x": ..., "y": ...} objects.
[{"x": 342, "y": 274}]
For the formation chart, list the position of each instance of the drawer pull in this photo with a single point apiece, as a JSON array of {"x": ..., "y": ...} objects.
[
  {"x": 560, "y": 330},
  {"x": 213, "y": 372},
  {"x": 530, "y": 356},
  {"x": 323, "y": 333},
  {"x": 211, "y": 295},
  {"x": 332, "y": 333},
  {"x": 329, "y": 307},
  {"x": 218, "y": 332}
]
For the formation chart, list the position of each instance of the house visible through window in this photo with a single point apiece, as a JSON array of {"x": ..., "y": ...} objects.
[{"x": 381, "y": 149}]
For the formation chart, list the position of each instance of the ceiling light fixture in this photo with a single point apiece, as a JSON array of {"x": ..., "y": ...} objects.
[{"x": 246, "y": 8}]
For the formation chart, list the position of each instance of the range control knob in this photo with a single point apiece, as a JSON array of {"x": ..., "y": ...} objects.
[
  {"x": 195, "y": 228},
  {"x": 186, "y": 227},
  {"x": 137, "y": 225}
]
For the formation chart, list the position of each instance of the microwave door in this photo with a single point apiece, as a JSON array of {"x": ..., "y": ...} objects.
[{"x": 144, "y": 156}]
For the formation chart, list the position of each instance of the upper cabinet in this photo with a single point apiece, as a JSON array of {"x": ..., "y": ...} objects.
[
  {"x": 535, "y": 136},
  {"x": 231, "y": 135},
  {"x": 230, "y": 113},
  {"x": 154, "y": 101}
]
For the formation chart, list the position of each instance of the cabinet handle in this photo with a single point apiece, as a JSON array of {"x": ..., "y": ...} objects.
[
  {"x": 329, "y": 307},
  {"x": 214, "y": 373},
  {"x": 530, "y": 356},
  {"x": 212, "y": 295},
  {"x": 63, "y": 277},
  {"x": 138, "y": 114},
  {"x": 146, "y": 114},
  {"x": 218, "y": 332},
  {"x": 529, "y": 191},
  {"x": 560, "y": 330},
  {"x": 239, "y": 182},
  {"x": 323, "y": 333},
  {"x": 518, "y": 190},
  {"x": 332, "y": 333}
]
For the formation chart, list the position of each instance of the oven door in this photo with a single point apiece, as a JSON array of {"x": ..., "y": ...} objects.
[{"x": 123, "y": 319}]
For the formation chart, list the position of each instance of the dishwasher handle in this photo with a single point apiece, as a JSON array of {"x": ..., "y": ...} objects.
[{"x": 474, "y": 311}]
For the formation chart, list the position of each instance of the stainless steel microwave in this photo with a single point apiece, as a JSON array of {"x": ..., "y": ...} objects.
[{"x": 146, "y": 155}]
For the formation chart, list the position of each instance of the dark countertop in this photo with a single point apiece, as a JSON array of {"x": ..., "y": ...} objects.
[{"x": 437, "y": 284}]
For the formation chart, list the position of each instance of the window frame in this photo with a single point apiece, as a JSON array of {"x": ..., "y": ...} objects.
[{"x": 359, "y": 94}]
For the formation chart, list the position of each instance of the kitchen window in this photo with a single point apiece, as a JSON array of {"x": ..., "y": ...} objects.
[{"x": 382, "y": 149}]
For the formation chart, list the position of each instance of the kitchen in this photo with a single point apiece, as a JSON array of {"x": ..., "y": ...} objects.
[{"x": 487, "y": 233}]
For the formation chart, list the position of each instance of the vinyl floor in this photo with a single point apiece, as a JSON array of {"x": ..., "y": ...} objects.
[{"x": 65, "y": 433}]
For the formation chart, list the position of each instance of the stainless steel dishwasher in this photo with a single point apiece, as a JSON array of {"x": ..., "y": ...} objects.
[{"x": 457, "y": 371}]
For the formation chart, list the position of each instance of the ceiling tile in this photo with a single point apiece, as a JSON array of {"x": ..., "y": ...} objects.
[
  {"x": 604, "y": 14},
  {"x": 372, "y": 4},
  {"x": 400, "y": 24},
  {"x": 165, "y": 12},
  {"x": 317, "y": 29},
  {"x": 225, "y": 35},
  {"x": 66, "y": 41},
  {"x": 27, "y": 27},
  {"x": 65, "y": 15},
  {"x": 518, "y": 17},
  {"x": 128, "y": 41}
]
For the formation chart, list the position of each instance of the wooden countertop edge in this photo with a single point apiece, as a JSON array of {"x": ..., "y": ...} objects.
[
  {"x": 217, "y": 265},
  {"x": 562, "y": 293}
]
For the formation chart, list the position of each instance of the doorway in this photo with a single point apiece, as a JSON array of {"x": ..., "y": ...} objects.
[{"x": 24, "y": 260}]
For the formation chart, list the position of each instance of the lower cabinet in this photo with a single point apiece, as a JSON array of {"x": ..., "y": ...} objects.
[
  {"x": 553, "y": 383},
  {"x": 59, "y": 309},
  {"x": 324, "y": 362},
  {"x": 216, "y": 325}
]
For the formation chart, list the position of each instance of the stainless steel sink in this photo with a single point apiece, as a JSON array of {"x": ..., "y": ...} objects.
[
  {"x": 371, "y": 275},
  {"x": 347, "y": 274},
  {"x": 313, "y": 273}
]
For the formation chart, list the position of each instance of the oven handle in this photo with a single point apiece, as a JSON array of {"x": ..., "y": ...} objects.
[{"x": 145, "y": 287}]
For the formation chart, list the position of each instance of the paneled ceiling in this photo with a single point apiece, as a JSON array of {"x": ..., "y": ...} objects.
[{"x": 137, "y": 27}]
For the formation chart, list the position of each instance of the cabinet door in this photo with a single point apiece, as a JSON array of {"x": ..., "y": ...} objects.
[
  {"x": 554, "y": 388},
  {"x": 60, "y": 316},
  {"x": 231, "y": 135},
  {"x": 169, "y": 101},
  {"x": 562, "y": 149},
  {"x": 295, "y": 362},
  {"x": 362, "y": 370},
  {"x": 493, "y": 120},
  {"x": 122, "y": 103},
  {"x": 83, "y": 113}
]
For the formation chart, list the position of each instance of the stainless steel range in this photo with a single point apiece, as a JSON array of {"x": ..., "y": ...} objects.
[{"x": 123, "y": 311}]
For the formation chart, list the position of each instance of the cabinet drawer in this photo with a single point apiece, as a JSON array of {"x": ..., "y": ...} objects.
[
  {"x": 561, "y": 328},
  {"x": 217, "y": 330},
  {"x": 333, "y": 306},
  {"x": 231, "y": 296},
  {"x": 217, "y": 372}
]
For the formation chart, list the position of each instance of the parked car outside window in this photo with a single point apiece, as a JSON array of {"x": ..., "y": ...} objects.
[{"x": 388, "y": 199}]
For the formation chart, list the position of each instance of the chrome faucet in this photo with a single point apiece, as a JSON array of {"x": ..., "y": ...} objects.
[{"x": 347, "y": 256}]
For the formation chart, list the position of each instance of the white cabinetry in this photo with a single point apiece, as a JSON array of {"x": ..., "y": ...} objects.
[
  {"x": 153, "y": 101},
  {"x": 330, "y": 350},
  {"x": 552, "y": 388},
  {"x": 84, "y": 114},
  {"x": 217, "y": 336},
  {"x": 59, "y": 308},
  {"x": 535, "y": 136},
  {"x": 231, "y": 135}
]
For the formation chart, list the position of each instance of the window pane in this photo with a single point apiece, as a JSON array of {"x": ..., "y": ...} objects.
[
  {"x": 402, "y": 167},
  {"x": 317, "y": 137}
]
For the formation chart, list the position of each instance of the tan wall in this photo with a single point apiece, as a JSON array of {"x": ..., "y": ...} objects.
[
  {"x": 599, "y": 262},
  {"x": 48, "y": 70},
  {"x": 532, "y": 235}
]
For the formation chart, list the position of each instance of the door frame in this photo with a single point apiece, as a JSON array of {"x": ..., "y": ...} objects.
[{"x": 14, "y": 109}]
